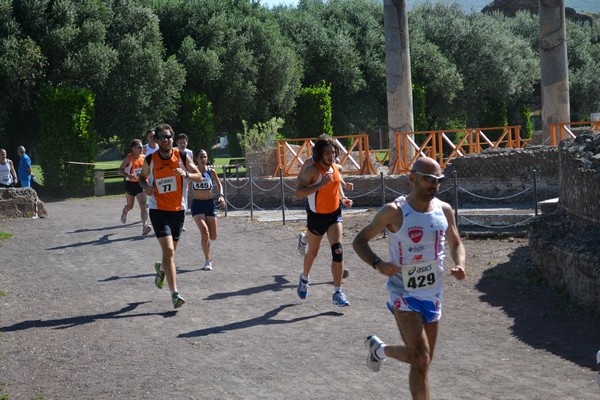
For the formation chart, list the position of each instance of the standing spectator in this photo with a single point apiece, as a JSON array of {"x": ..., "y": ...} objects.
[
  {"x": 130, "y": 169},
  {"x": 320, "y": 184},
  {"x": 204, "y": 210},
  {"x": 162, "y": 179},
  {"x": 8, "y": 176},
  {"x": 151, "y": 146},
  {"x": 24, "y": 169},
  {"x": 418, "y": 225}
]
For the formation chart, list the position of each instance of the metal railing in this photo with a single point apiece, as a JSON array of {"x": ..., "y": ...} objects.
[
  {"x": 442, "y": 145},
  {"x": 291, "y": 153},
  {"x": 562, "y": 130},
  {"x": 446, "y": 145}
]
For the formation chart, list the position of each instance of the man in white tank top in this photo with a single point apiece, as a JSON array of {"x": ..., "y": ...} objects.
[{"x": 418, "y": 226}]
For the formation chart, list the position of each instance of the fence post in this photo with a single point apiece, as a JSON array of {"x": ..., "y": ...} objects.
[
  {"x": 250, "y": 182},
  {"x": 454, "y": 177},
  {"x": 383, "y": 197},
  {"x": 382, "y": 180},
  {"x": 282, "y": 194},
  {"x": 225, "y": 187},
  {"x": 535, "y": 194}
]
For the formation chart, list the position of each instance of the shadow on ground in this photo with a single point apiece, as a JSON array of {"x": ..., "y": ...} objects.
[{"x": 544, "y": 318}]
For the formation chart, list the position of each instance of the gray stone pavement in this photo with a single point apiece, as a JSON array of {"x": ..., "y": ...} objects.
[{"x": 81, "y": 318}]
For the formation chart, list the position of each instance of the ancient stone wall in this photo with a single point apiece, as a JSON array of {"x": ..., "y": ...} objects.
[
  {"x": 580, "y": 177},
  {"x": 492, "y": 174},
  {"x": 502, "y": 173},
  {"x": 565, "y": 246},
  {"x": 20, "y": 202}
]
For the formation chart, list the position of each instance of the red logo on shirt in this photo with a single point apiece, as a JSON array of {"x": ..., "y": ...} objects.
[{"x": 415, "y": 234}]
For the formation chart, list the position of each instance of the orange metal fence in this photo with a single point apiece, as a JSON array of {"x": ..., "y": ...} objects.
[
  {"x": 443, "y": 146},
  {"x": 562, "y": 130},
  {"x": 354, "y": 154}
]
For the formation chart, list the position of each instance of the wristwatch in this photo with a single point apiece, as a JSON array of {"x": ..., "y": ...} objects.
[{"x": 376, "y": 261}]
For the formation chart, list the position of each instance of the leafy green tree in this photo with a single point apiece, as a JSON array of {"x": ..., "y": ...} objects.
[
  {"x": 342, "y": 42},
  {"x": 583, "y": 47},
  {"x": 497, "y": 66},
  {"x": 235, "y": 54},
  {"x": 195, "y": 119},
  {"x": 313, "y": 112},
  {"x": 67, "y": 136}
]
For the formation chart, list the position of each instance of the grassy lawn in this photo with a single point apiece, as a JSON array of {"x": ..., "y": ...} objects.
[{"x": 37, "y": 170}]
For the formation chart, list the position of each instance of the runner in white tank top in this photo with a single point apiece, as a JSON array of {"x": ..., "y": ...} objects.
[{"x": 418, "y": 224}]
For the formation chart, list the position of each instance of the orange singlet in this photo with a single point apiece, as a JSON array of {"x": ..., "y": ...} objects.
[
  {"x": 168, "y": 195},
  {"x": 134, "y": 167},
  {"x": 327, "y": 199}
]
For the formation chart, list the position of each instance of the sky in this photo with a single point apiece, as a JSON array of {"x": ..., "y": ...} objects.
[{"x": 271, "y": 3}]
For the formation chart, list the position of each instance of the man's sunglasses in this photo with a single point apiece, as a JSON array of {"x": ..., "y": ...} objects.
[
  {"x": 429, "y": 177},
  {"x": 163, "y": 137}
]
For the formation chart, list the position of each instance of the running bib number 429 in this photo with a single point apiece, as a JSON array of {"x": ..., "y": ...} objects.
[{"x": 419, "y": 276}]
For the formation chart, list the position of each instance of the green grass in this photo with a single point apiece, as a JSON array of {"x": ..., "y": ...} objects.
[
  {"x": 2, "y": 293},
  {"x": 5, "y": 235},
  {"x": 116, "y": 163}
]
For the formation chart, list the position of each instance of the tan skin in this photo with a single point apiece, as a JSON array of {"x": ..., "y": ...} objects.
[
  {"x": 306, "y": 186},
  {"x": 419, "y": 338},
  {"x": 151, "y": 141},
  {"x": 167, "y": 244},
  {"x": 207, "y": 224},
  {"x": 5, "y": 160},
  {"x": 136, "y": 152}
]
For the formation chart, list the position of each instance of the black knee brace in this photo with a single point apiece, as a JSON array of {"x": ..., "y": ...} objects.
[{"x": 337, "y": 252}]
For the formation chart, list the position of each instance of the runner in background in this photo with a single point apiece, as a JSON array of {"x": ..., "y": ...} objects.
[
  {"x": 204, "y": 210},
  {"x": 130, "y": 169}
]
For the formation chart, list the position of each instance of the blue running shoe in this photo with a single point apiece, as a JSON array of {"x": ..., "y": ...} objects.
[
  {"x": 302, "y": 289},
  {"x": 339, "y": 299}
]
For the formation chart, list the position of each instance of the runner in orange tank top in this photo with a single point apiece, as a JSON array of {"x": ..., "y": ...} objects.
[
  {"x": 130, "y": 168},
  {"x": 320, "y": 184},
  {"x": 162, "y": 179}
]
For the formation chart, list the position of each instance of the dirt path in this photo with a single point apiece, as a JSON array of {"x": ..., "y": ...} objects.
[{"x": 82, "y": 319}]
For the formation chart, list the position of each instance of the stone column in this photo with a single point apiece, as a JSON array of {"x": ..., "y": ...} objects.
[
  {"x": 554, "y": 66},
  {"x": 398, "y": 78}
]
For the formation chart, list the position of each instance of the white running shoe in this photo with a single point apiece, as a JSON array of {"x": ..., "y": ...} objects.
[
  {"x": 302, "y": 245},
  {"x": 373, "y": 361},
  {"x": 207, "y": 265}
]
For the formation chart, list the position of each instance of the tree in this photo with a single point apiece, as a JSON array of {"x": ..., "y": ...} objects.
[
  {"x": 67, "y": 136},
  {"x": 195, "y": 119},
  {"x": 235, "y": 54},
  {"x": 342, "y": 42}
]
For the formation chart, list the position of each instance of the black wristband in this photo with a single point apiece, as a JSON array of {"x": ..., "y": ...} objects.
[
  {"x": 376, "y": 261},
  {"x": 187, "y": 174}
]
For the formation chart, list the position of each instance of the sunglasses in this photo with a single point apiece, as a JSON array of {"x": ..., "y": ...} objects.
[
  {"x": 136, "y": 147},
  {"x": 430, "y": 178},
  {"x": 164, "y": 137}
]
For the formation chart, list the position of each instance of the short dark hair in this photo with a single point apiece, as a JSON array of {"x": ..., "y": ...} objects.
[
  {"x": 164, "y": 127},
  {"x": 182, "y": 136}
]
